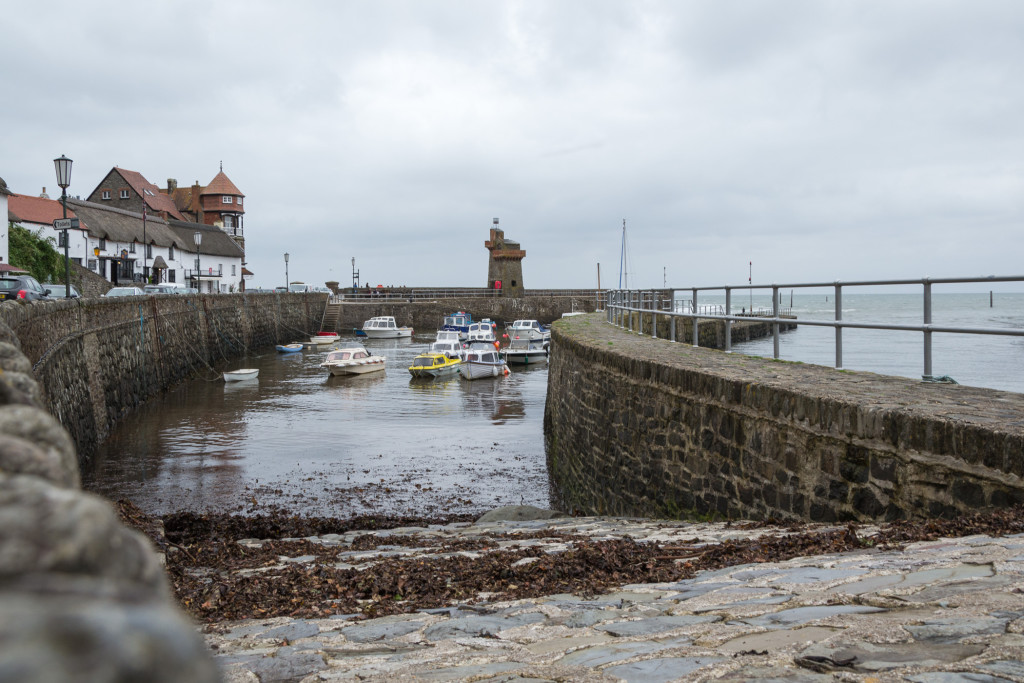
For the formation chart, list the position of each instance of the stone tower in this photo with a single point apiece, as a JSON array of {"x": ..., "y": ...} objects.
[{"x": 505, "y": 264}]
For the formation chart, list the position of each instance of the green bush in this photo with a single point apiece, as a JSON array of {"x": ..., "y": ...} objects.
[{"x": 37, "y": 254}]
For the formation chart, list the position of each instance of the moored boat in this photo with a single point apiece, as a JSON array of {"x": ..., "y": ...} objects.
[
  {"x": 241, "y": 375},
  {"x": 458, "y": 322},
  {"x": 526, "y": 350},
  {"x": 521, "y": 328},
  {"x": 289, "y": 348},
  {"x": 352, "y": 360},
  {"x": 480, "y": 360},
  {"x": 431, "y": 364},
  {"x": 384, "y": 327},
  {"x": 482, "y": 331},
  {"x": 322, "y": 338}
]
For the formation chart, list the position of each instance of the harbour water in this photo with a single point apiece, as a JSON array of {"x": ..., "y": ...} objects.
[
  {"x": 994, "y": 362},
  {"x": 387, "y": 444},
  {"x": 381, "y": 443}
]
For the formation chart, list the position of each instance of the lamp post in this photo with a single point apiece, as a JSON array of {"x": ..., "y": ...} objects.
[
  {"x": 198, "y": 237},
  {"x": 286, "y": 272},
  {"x": 63, "y": 166}
]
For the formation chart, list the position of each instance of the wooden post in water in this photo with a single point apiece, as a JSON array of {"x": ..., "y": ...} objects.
[{"x": 990, "y": 298}]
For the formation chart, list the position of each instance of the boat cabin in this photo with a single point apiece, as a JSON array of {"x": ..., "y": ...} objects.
[
  {"x": 347, "y": 354},
  {"x": 382, "y": 322}
]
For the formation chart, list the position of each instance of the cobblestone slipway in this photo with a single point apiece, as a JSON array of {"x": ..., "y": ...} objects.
[{"x": 945, "y": 611}]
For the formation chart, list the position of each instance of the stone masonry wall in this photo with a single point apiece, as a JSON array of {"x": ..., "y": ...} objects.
[
  {"x": 96, "y": 359},
  {"x": 82, "y": 597},
  {"x": 638, "y": 426},
  {"x": 427, "y": 316}
]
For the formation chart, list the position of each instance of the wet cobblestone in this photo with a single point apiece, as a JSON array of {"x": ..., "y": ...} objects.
[{"x": 949, "y": 610}]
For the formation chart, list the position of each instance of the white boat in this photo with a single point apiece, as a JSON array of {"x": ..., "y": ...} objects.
[
  {"x": 384, "y": 327},
  {"x": 526, "y": 350},
  {"x": 452, "y": 349},
  {"x": 241, "y": 375},
  {"x": 482, "y": 331},
  {"x": 521, "y": 328},
  {"x": 352, "y": 360},
  {"x": 482, "y": 360},
  {"x": 324, "y": 338}
]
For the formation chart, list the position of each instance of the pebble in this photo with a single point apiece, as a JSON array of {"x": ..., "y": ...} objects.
[{"x": 944, "y": 611}]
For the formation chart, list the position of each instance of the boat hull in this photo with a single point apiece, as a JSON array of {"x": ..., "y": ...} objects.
[
  {"x": 241, "y": 375},
  {"x": 528, "y": 358},
  {"x": 430, "y": 373},
  {"x": 477, "y": 370},
  {"x": 289, "y": 348},
  {"x": 397, "y": 333},
  {"x": 355, "y": 369}
]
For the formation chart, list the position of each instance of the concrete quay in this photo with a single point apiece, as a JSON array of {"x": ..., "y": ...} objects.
[{"x": 941, "y": 611}]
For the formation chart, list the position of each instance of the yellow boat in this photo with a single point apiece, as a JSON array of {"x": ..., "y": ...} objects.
[{"x": 433, "y": 365}]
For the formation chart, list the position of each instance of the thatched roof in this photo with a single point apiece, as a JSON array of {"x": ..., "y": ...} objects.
[{"x": 119, "y": 225}]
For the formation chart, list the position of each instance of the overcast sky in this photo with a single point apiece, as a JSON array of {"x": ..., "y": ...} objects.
[{"x": 819, "y": 140}]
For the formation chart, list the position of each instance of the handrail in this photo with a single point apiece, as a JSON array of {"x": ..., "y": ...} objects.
[{"x": 643, "y": 302}]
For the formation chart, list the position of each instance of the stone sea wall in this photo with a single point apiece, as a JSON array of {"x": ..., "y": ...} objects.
[
  {"x": 82, "y": 597},
  {"x": 96, "y": 359},
  {"x": 427, "y": 316},
  {"x": 637, "y": 426}
]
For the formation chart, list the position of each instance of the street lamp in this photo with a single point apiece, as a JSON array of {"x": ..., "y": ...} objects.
[
  {"x": 63, "y": 166},
  {"x": 198, "y": 237},
  {"x": 286, "y": 271}
]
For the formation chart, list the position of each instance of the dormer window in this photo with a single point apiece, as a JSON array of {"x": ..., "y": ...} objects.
[
  {"x": 148, "y": 192},
  {"x": 124, "y": 194},
  {"x": 132, "y": 248},
  {"x": 106, "y": 194},
  {"x": 225, "y": 199},
  {"x": 239, "y": 201},
  {"x": 170, "y": 252}
]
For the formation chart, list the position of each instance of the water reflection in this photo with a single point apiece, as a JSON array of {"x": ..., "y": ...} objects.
[{"x": 376, "y": 443}]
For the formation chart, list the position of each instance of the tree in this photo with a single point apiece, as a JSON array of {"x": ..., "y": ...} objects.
[{"x": 35, "y": 253}]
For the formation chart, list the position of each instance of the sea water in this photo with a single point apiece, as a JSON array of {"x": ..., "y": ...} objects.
[{"x": 995, "y": 362}]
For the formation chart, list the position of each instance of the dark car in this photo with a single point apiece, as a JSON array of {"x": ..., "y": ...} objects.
[
  {"x": 21, "y": 288},
  {"x": 60, "y": 291}
]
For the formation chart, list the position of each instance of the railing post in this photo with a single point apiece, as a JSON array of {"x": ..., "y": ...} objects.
[
  {"x": 728, "y": 323},
  {"x": 693, "y": 309},
  {"x": 927, "y": 333},
  {"x": 654, "y": 315},
  {"x": 630, "y": 311},
  {"x": 775, "y": 325},
  {"x": 839, "y": 329},
  {"x": 672, "y": 319}
]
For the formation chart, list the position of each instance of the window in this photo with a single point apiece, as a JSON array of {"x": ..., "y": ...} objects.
[
  {"x": 93, "y": 263},
  {"x": 170, "y": 276},
  {"x": 124, "y": 194},
  {"x": 232, "y": 268},
  {"x": 106, "y": 194},
  {"x": 229, "y": 221},
  {"x": 62, "y": 238},
  {"x": 103, "y": 243},
  {"x": 225, "y": 199},
  {"x": 170, "y": 253},
  {"x": 239, "y": 202},
  {"x": 132, "y": 249},
  {"x": 149, "y": 251}
]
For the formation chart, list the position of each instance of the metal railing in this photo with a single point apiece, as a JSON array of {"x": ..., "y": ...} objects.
[
  {"x": 431, "y": 293},
  {"x": 622, "y": 304}
]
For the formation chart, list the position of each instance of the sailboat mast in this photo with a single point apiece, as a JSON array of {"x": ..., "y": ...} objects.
[{"x": 622, "y": 257}]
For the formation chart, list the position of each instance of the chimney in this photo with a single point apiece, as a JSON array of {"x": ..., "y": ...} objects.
[
  {"x": 44, "y": 195},
  {"x": 172, "y": 185}
]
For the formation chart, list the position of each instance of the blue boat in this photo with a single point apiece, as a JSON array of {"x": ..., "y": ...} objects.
[
  {"x": 289, "y": 348},
  {"x": 458, "y": 322}
]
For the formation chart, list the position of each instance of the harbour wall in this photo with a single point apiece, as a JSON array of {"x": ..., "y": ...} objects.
[
  {"x": 637, "y": 426},
  {"x": 96, "y": 359},
  {"x": 424, "y": 315},
  {"x": 82, "y": 596}
]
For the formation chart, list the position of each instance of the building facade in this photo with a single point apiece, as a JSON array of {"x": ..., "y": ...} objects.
[{"x": 505, "y": 263}]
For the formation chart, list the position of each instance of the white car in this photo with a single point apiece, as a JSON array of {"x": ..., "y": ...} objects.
[{"x": 125, "y": 291}]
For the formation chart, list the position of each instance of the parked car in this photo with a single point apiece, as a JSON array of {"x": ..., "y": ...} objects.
[
  {"x": 165, "y": 288},
  {"x": 125, "y": 291},
  {"x": 21, "y": 288},
  {"x": 60, "y": 292}
]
